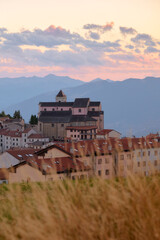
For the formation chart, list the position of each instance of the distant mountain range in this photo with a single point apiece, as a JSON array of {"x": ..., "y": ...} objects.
[{"x": 131, "y": 106}]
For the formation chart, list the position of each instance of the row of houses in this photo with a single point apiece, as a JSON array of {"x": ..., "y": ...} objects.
[
  {"x": 105, "y": 158},
  {"x": 16, "y": 138}
]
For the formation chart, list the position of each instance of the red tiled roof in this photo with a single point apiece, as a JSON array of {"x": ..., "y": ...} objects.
[
  {"x": 9, "y": 133},
  {"x": 103, "y": 146},
  {"x": 36, "y": 135},
  {"x": 62, "y": 164},
  {"x": 27, "y": 130},
  {"x": 22, "y": 153},
  {"x": 105, "y": 131}
]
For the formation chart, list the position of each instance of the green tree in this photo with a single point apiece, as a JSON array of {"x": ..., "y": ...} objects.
[
  {"x": 33, "y": 120},
  {"x": 2, "y": 114},
  {"x": 17, "y": 114}
]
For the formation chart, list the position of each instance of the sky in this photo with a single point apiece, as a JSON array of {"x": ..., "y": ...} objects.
[{"x": 84, "y": 39}]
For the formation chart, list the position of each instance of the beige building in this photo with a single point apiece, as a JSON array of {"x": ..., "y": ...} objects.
[{"x": 54, "y": 118}]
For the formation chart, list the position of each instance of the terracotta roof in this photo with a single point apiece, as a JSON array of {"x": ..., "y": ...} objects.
[
  {"x": 22, "y": 154},
  {"x": 61, "y": 164},
  {"x": 9, "y": 133},
  {"x": 27, "y": 130},
  {"x": 103, "y": 146},
  {"x": 36, "y": 135},
  {"x": 105, "y": 131},
  {"x": 59, "y": 147}
]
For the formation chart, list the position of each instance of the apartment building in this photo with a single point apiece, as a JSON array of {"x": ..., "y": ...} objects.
[{"x": 11, "y": 139}]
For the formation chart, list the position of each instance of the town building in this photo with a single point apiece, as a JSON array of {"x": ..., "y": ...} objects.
[
  {"x": 49, "y": 164},
  {"x": 54, "y": 118},
  {"x": 11, "y": 139},
  {"x": 108, "y": 133}
]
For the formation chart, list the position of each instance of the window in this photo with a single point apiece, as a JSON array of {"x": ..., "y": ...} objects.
[
  {"x": 99, "y": 172},
  {"x": 139, "y": 154},
  {"x": 155, "y": 153},
  {"x": 100, "y": 161},
  {"x": 16, "y": 139},
  {"x": 138, "y": 164},
  {"x": 144, "y": 154},
  {"x": 107, "y": 172},
  {"x": 129, "y": 156},
  {"x": 121, "y": 157},
  {"x": 52, "y": 109},
  {"x": 144, "y": 164},
  {"x": 61, "y": 109},
  {"x": 148, "y": 153},
  {"x": 93, "y": 109},
  {"x": 79, "y": 110},
  {"x": 155, "y": 163},
  {"x": 106, "y": 160},
  {"x": 71, "y": 130},
  {"x": 75, "y": 136},
  {"x": 45, "y": 109},
  {"x": 62, "y": 125},
  {"x": 52, "y": 124}
]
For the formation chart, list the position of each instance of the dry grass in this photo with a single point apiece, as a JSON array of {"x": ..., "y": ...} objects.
[{"x": 90, "y": 209}]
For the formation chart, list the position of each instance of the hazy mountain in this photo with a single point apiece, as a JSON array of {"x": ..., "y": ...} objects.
[
  {"x": 130, "y": 106},
  {"x": 100, "y": 79},
  {"x": 14, "y": 90}
]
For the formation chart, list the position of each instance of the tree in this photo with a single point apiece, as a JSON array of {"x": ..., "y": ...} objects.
[
  {"x": 2, "y": 114},
  {"x": 33, "y": 120},
  {"x": 17, "y": 114}
]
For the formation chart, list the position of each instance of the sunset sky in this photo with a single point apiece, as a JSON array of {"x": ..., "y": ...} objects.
[{"x": 82, "y": 39}]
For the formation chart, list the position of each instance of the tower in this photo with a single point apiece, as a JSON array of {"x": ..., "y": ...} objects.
[{"x": 61, "y": 97}]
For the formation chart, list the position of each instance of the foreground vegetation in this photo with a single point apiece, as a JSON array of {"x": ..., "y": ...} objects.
[{"x": 95, "y": 209}]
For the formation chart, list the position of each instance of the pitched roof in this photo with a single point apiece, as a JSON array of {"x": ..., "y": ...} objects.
[
  {"x": 81, "y": 102},
  {"x": 106, "y": 131},
  {"x": 61, "y": 164},
  {"x": 61, "y": 94},
  {"x": 55, "y": 116},
  {"x": 43, "y": 151},
  {"x": 56, "y": 104},
  {"x": 94, "y": 104},
  {"x": 9, "y": 133},
  {"x": 36, "y": 135},
  {"x": 82, "y": 118},
  {"x": 22, "y": 154},
  {"x": 95, "y": 113},
  {"x": 27, "y": 130}
]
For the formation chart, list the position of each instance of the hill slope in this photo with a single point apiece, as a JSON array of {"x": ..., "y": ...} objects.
[
  {"x": 130, "y": 106},
  {"x": 14, "y": 90}
]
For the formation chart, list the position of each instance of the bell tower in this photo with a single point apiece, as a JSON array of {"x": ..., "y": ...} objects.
[{"x": 61, "y": 97}]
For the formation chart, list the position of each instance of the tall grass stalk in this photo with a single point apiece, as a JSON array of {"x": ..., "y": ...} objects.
[{"x": 120, "y": 209}]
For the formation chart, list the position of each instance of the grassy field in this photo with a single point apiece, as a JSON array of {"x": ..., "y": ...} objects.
[{"x": 90, "y": 209}]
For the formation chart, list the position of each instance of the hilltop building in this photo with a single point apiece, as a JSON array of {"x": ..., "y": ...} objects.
[{"x": 61, "y": 119}]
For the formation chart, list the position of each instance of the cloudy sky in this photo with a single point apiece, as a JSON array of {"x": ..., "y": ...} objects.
[{"x": 82, "y": 39}]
